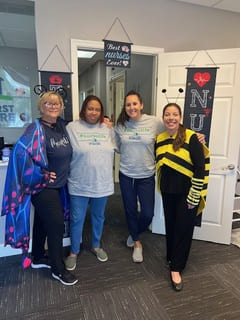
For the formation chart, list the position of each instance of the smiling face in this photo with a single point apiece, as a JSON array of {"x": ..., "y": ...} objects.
[
  {"x": 50, "y": 106},
  {"x": 172, "y": 119},
  {"x": 133, "y": 107},
  {"x": 93, "y": 112}
]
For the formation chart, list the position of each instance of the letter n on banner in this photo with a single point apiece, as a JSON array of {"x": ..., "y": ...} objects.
[
  {"x": 198, "y": 105},
  {"x": 199, "y": 98}
]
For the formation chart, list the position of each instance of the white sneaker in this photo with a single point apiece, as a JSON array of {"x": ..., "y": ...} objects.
[
  {"x": 130, "y": 242},
  {"x": 137, "y": 255}
]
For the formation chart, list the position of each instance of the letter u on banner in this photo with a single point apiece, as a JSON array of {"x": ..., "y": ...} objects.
[{"x": 199, "y": 97}]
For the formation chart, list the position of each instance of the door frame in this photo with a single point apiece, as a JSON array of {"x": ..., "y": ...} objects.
[{"x": 99, "y": 45}]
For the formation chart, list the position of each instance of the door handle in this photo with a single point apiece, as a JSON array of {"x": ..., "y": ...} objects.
[
  {"x": 223, "y": 170},
  {"x": 231, "y": 167}
]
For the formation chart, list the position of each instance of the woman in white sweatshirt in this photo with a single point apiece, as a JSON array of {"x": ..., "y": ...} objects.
[{"x": 91, "y": 180}]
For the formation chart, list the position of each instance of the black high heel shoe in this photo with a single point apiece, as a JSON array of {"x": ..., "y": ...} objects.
[{"x": 176, "y": 286}]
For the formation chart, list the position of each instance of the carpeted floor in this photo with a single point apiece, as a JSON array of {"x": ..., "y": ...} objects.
[{"x": 122, "y": 290}]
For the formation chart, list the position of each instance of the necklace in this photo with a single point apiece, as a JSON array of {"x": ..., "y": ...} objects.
[{"x": 49, "y": 124}]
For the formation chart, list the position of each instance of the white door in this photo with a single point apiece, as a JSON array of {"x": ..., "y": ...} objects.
[{"x": 224, "y": 137}]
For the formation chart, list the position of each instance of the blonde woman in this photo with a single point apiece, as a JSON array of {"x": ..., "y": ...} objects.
[{"x": 37, "y": 172}]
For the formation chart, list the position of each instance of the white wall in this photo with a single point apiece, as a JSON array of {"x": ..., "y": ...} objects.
[{"x": 165, "y": 24}]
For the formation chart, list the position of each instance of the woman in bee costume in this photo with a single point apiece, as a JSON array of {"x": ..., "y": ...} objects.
[{"x": 182, "y": 169}]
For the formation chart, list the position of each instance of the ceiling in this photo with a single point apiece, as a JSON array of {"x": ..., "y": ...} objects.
[
  {"x": 228, "y": 5},
  {"x": 17, "y": 26},
  {"x": 84, "y": 64}
]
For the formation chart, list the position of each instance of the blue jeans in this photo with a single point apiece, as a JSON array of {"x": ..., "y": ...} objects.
[
  {"x": 133, "y": 190},
  {"x": 78, "y": 210}
]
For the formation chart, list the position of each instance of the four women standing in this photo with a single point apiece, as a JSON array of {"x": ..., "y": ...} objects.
[{"x": 181, "y": 168}]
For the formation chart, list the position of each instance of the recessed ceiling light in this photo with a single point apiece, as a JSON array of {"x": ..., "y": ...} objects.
[{"x": 86, "y": 54}]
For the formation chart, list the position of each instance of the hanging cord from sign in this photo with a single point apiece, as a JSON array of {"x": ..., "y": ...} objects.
[
  {"x": 195, "y": 55},
  {"x": 117, "y": 19},
  {"x": 45, "y": 61}
]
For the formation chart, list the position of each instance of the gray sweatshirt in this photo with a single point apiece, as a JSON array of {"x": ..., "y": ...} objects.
[
  {"x": 136, "y": 146},
  {"x": 91, "y": 168}
]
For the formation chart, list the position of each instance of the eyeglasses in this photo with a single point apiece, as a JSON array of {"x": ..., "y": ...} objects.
[{"x": 50, "y": 104}]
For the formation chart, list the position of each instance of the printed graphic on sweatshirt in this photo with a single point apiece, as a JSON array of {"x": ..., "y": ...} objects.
[
  {"x": 63, "y": 142},
  {"x": 93, "y": 138},
  {"x": 136, "y": 134}
]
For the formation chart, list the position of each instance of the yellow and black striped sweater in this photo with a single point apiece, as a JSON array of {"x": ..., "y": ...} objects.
[{"x": 187, "y": 168}]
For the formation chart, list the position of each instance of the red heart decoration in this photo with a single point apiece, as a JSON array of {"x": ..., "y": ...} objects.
[
  {"x": 201, "y": 78},
  {"x": 207, "y": 111}
]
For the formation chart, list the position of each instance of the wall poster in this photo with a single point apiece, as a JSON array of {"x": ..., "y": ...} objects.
[{"x": 15, "y": 102}]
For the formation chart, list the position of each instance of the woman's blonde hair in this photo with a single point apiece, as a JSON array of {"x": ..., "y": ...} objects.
[{"x": 44, "y": 98}]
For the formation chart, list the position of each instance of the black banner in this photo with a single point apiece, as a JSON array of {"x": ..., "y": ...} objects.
[
  {"x": 61, "y": 83},
  {"x": 199, "y": 98},
  {"x": 117, "y": 54}
]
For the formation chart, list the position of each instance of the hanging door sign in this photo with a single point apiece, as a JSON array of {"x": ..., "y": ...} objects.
[
  {"x": 199, "y": 98},
  {"x": 198, "y": 105},
  {"x": 59, "y": 82},
  {"x": 117, "y": 54}
]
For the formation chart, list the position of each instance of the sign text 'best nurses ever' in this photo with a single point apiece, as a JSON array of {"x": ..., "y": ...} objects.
[{"x": 117, "y": 54}]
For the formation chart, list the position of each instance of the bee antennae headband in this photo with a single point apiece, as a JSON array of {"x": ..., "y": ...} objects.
[{"x": 180, "y": 90}]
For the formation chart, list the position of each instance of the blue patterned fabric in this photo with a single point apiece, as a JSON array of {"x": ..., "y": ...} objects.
[{"x": 26, "y": 175}]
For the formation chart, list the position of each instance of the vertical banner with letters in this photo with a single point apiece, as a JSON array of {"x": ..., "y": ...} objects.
[
  {"x": 199, "y": 97},
  {"x": 198, "y": 107},
  {"x": 61, "y": 83}
]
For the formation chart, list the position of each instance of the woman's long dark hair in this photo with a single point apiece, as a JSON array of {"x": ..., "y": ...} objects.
[
  {"x": 123, "y": 115},
  {"x": 181, "y": 134},
  {"x": 89, "y": 98}
]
